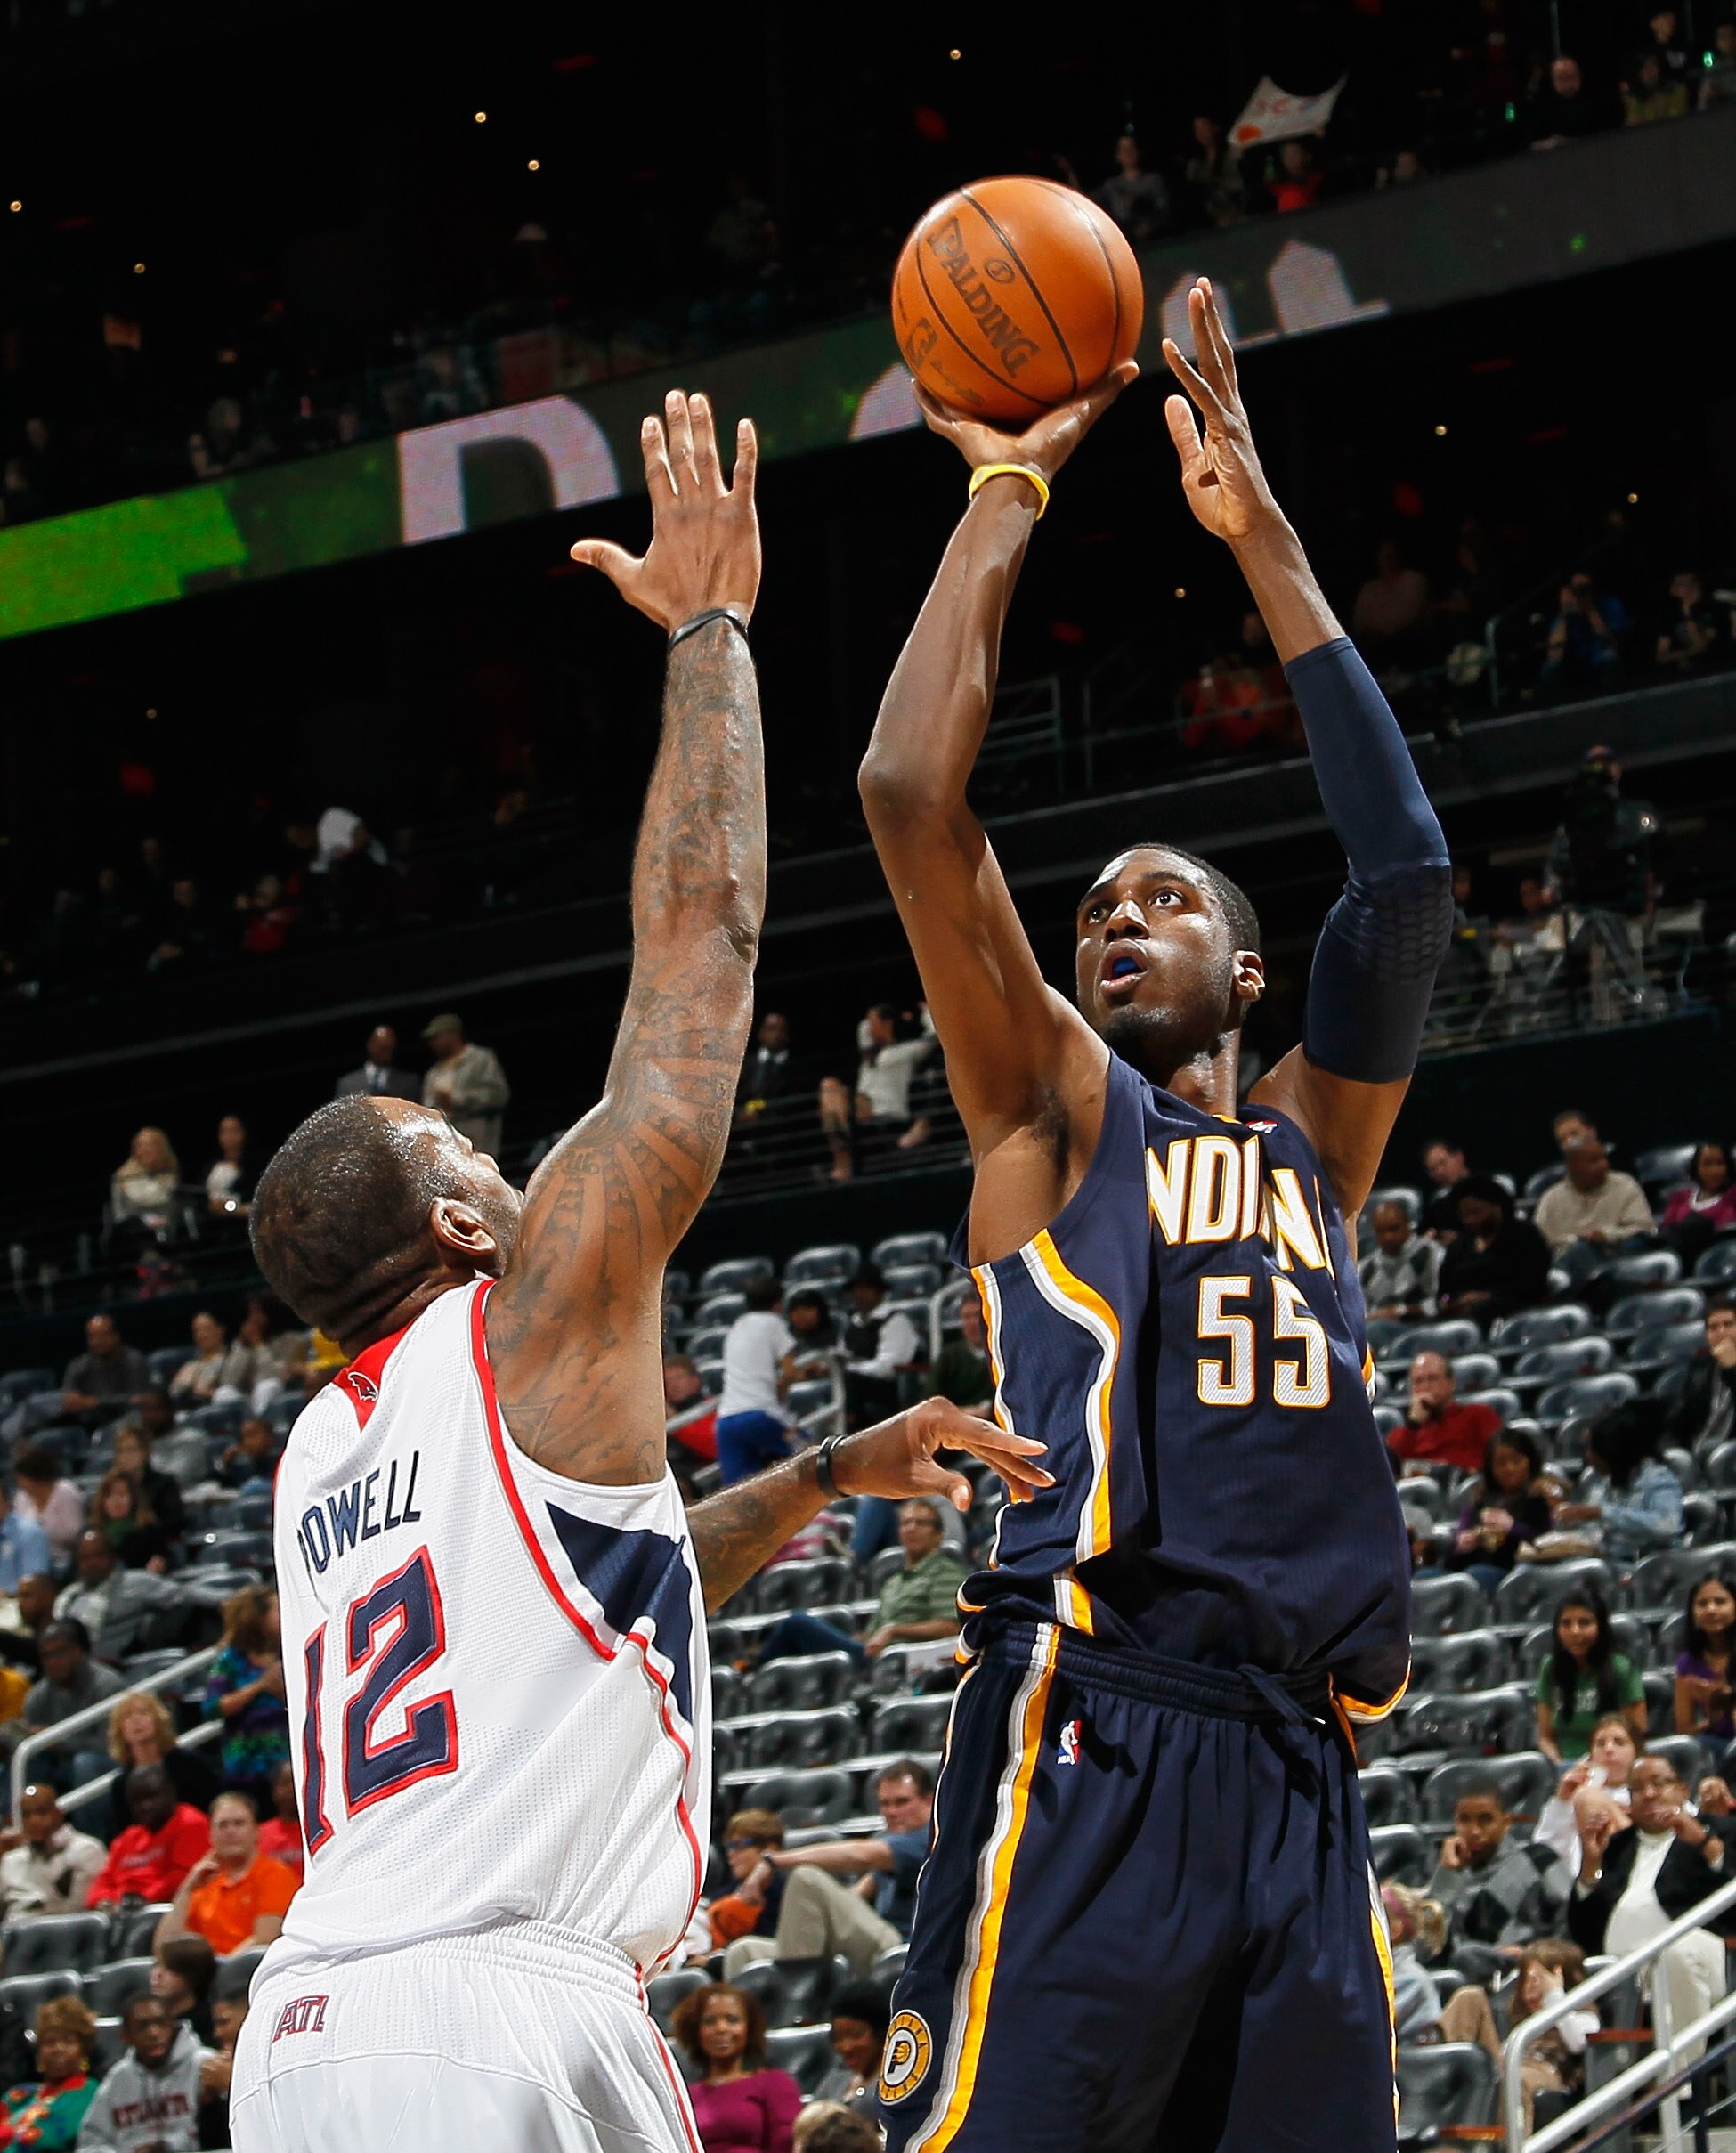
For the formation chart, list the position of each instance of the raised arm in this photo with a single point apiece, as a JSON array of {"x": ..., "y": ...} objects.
[
  {"x": 1012, "y": 1043},
  {"x": 574, "y": 1326},
  {"x": 1376, "y": 961}
]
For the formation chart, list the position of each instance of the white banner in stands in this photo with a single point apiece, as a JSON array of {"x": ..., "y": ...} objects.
[{"x": 1272, "y": 115}]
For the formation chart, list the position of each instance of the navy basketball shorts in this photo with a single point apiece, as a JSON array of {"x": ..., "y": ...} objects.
[{"x": 1148, "y": 1923}]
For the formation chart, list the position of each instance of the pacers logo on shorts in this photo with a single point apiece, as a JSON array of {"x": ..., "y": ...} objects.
[{"x": 906, "y": 2062}]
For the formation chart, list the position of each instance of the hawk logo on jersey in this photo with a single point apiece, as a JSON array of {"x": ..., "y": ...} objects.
[
  {"x": 302, "y": 2014},
  {"x": 909, "y": 2046},
  {"x": 1069, "y": 1750},
  {"x": 361, "y": 1389}
]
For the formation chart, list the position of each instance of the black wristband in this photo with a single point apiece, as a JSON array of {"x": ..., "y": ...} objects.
[
  {"x": 823, "y": 1472},
  {"x": 700, "y": 620}
]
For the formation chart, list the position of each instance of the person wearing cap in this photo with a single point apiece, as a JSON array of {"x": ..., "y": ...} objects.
[
  {"x": 466, "y": 1082},
  {"x": 878, "y": 1346}
]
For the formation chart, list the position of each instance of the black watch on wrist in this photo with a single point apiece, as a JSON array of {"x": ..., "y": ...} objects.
[{"x": 823, "y": 1471}]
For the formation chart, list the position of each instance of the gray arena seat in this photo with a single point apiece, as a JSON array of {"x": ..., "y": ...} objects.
[
  {"x": 1452, "y": 2086},
  {"x": 1448, "y": 1606},
  {"x": 805, "y": 2051},
  {"x": 794, "y": 1992},
  {"x": 56, "y": 1943},
  {"x": 1532, "y": 1592},
  {"x": 1389, "y": 1797},
  {"x": 823, "y": 1678},
  {"x": 1403, "y": 1854},
  {"x": 1474, "y": 1659},
  {"x": 1526, "y": 1779},
  {"x": 1531, "y": 1327},
  {"x": 664, "y": 1991}
]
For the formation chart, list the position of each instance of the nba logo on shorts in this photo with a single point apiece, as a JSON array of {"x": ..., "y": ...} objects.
[{"x": 1069, "y": 1750}]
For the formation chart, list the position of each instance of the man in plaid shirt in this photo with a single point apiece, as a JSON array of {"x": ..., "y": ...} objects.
[{"x": 1492, "y": 1890}]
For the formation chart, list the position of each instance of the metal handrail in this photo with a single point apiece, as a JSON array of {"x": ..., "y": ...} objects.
[
  {"x": 92, "y": 1715},
  {"x": 1666, "y": 2044}
]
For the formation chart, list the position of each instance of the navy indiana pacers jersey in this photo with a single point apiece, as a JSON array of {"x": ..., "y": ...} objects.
[{"x": 1187, "y": 1337}]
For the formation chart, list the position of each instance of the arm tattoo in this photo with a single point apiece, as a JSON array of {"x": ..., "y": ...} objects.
[
  {"x": 737, "y": 1532},
  {"x": 574, "y": 1326}
]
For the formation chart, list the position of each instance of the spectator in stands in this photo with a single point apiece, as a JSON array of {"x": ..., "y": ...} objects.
[
  {"x": 1563, "y": 112},
  {"x": 229, "y": 1179},
  {"x": 281, "y": 1834},
  {"x": 1444, "y": 1163},
  {"x": 828, "y": 2126},
  {"x": 1582, "y": 653},
  {"x": 1633, "y": 1883},
  {"x": 1414, "y": 1925},
  {"x": 251, "y": 1461},
  {"x": 234, "y": 1896},
  {"x": 46, "y": 1864},
  {"x": 1718, "y": 85},
  {"x": 47, "y": 1499},
  {"x": 1438, "y": 1429},
  {"x": 216, "y": 1370},
  {"x": 877, "y": 1116},
  {"x": 149, "y": 1859},
  {"x": 22, "y": 1647},
  {"x": 1703, "y": 1412},
  {"x": 1690, "y": 633},
  {"x": 154, "y": 2087},
  {"x": 1703, "y": 1207},
  {"x": 143, "y": 1187},
  {"x": 141, "y": 1733},
  {"x": 98, "y": 1384},
  {"x": 24, "y": 1549},
  {"x": 1212, "y": 174},
  {"x": 860, "y": 2016},
  {"x": 741, "y": 2104},
  {"x": 961, "y": 1371},
  {"x": 1702, "y": 1667},
  {"x": 683, "y": 1392},
  {"x": 1510, "y": 1505},
  {"x": 125, "y": 1521},
  {"x": 1553, "y": 2064},
  {"x": 820, "y": 1914},
  {"x": 1584, "y": 1679},
  {"x": 1298, "y": 180},
  {"x": 48, "y": 2112},
  {"x": 753, "y": 1424},
  {"x": 1390, "y": 609},
  {"x": 772, "y": 1079},
  {"x": 1676, "y": 60},
  {"x": 1497, "y": 1261},
  {"x": 467, "y": 1082},
  {"x": 1600, "y": 1777},
  {"x": 183, "y": 1970},
  {"x": 245, "y": 1690},
  {"x": 228, "y": 2015},
  {"x": 1631, "y": 1501},
  {"x": 1601, "y": 853},
  {"x": 918, "y": 1602},
  {"x": 1595, "y": 1203},
  {"x": 1651, "y": 97},
  {"x": 1135, "y": 197},
  {"x": 879, "y": 1347},
  {"x": 378, "y": 1077},
  {"x": 1400, "y": 1272},
  {"x": 1573, "y": 1126},
  {"x": 159, "y": 1492},
  {"x": 750, "y": 1838},
  {"x": 114, "y": 1605},
  {"x": 71, "y": 1682},
  {"x": 1495, "y": 1890},
  {"x": 277, "y": 1346}
]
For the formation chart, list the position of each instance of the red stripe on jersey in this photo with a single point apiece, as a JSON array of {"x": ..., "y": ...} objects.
[
  {"x": 671, "y": 2074},
  {"x": 361, "y": 1381},
  {"x": 497, "y": 1437}
]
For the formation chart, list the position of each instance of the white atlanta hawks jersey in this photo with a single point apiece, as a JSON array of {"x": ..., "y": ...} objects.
[{"x": 499, "y": 1692}]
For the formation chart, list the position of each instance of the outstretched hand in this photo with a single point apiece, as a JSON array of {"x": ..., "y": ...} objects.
[
  {"x": 1045, "y": 444},
  {"x": 704, "y": 550},
  {"x": 1221, "y": 473},
  {"x": 896, "y": 1459}
]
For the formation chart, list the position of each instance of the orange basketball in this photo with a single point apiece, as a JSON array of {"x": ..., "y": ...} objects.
[{"x": 1014, "y": 295}]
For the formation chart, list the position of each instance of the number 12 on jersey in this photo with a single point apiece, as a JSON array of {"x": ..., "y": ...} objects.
[
  {"x": 394, "y": 1632},
  {"x": 1305, "y": 1380}
]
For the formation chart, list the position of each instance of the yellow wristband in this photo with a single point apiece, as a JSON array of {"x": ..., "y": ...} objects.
[{"x": 981, "y": 475}]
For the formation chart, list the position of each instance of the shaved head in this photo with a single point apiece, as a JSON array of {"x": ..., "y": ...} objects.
[{"x": 369, "y": 1198}]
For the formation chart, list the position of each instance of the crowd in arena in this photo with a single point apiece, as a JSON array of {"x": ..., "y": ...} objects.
[{"x": 88, "y": 411}]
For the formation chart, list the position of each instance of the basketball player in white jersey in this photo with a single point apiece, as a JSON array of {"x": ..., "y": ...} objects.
[{"x": 493, "y": 1603}]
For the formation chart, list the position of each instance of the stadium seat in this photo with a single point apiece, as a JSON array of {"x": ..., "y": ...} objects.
[
  {"x": 913, "y": 1280},
  {"x": 1474, "y": 1722},
  {"x": 1589, "y": 1395},
  {"x": 1659, "y": 1685},
  {"x": 1556, "y": 1363},
  {"x": 253, "y": 1513},
  {"x": 250, "y": 1548},
  {"x": 1540, "y": 1182},
  {"x": 107, "y": 1990},
  {"x": 108, "y": 2046},
  {"x": 1702, "y": 1515},
  {"x": 1380, "y": 1332},
  {"x": 911, "y": 1248},
  {"x": 1453, "y": 2087},
  {"x": 1506, "y": 1405},
  {"x": 1388, "y": 1795},
  {"x": 1531, "y": 1327},
  {"x": 56, "y": 1943},
  {"x": 1453, "y": 1334},
  {"x": 827, "y": 1263},
  {"x": 1717, "y": 1263},
  {"x": 1422, "y": 1491},
  {"x": 916, "y": 1724},
  {"x": 220, "y": 1579},
  {"x": 1670, "y": 1345},
  {"x": 1664, "y": 1165},
  {"x": 28, "y": 1993},
  {"x": 732, "y": 1274},
  {"x": 824, "y": 1796},
  {"x": 720, "y": 1309},
  {"x": 1655, "y": 1267},
  {"x": 24, "y": 1383},
  {"x": 794, "y": 1992},
  {"x": 1406, "y": 1199},
  {"x": 1642, "y": 1312},
  {"x": 810, "y": 1583},
  {"x": 812, "y": 1394},
  {"x": 1474, "y": 1659},
  {"x": 1526, "y": 1779},
  {"x": 1388, "y": 1421},
  {"x": 165, "y": 1363},
  {"x": 704, "y": 1345},
  {"x": 1403, "y": 1854},
  {"x": 800, "y": 1739},
  {"x": 1662, "y": 1579},
  {"x": 664, "y": 1991},
  {"x": 728, "y": 1692},
  {"x": 135, "y": 1933},
  {"x": 1685, "y": 1754},
  {"x": 1532, "y": 1592},
  {"x": 140, "y": 1666},
  {"x": 237, "y": 1969},
  {"x": 818, "y": 1679},
  {"x": 805, "y": 2051},
  {"x": 1446, "y": 1607},
  {"x": 1474, "y": 1372}
]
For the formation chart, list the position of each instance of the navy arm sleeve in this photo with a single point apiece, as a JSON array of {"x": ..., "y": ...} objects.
[{"x": 1382, "y": 942}]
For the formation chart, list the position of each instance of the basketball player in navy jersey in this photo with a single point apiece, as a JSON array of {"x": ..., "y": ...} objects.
[{"x": 1148, "y": 1923}]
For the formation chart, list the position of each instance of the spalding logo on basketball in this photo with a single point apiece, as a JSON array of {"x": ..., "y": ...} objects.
[
  {"x": 1014, "y": 295},
  {"x": 909, "y": 2046}
]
